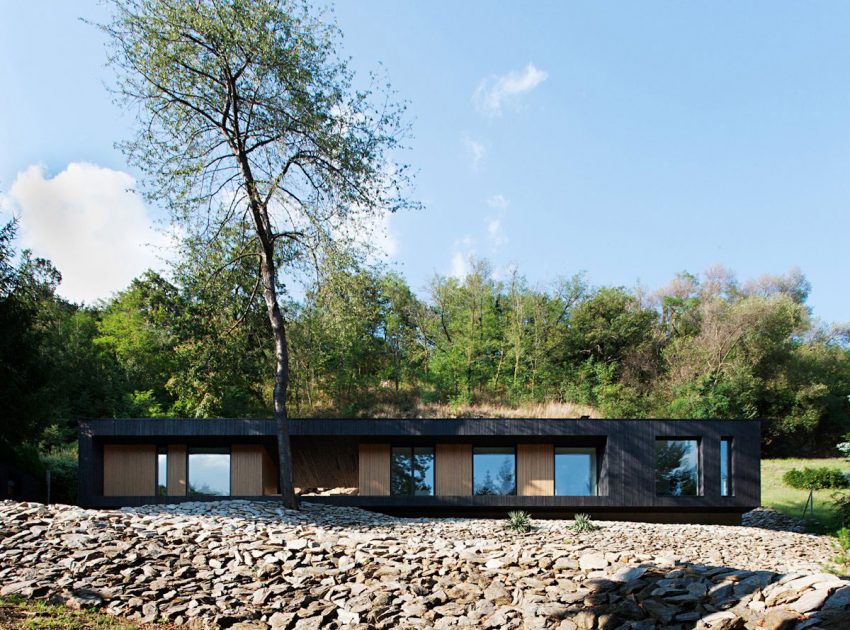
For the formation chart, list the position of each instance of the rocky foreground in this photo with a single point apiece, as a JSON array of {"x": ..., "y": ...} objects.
[{"x": 255, "y": 565}]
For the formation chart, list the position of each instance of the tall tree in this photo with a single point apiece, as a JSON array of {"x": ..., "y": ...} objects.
[{"x": 249, "y": 121}]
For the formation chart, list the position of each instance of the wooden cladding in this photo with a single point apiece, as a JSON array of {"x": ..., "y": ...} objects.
[
  {"x": 129, "y": 470},
  {"x": 453, "y": 476},
  {"x": 374, "y": 470},
  {"x": 176, "y": 464},
  {"x": 535, "y": 470},
  {"x": 246, "y": 470}
]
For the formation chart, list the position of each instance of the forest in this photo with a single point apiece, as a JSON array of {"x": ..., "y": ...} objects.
[{"x": 193, "y": 342}]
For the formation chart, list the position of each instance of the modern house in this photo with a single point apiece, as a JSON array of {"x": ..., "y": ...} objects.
[{"x": 662, "y": 470}]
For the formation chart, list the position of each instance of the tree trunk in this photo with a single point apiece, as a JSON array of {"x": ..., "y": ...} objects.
[
  {"x": 268, "y": 278},
  {"x": 281, "y": 382}
]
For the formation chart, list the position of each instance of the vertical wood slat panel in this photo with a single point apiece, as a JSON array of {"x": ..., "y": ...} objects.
[
  {"x": 535, "y": 470},
  {"x": 246, "y": 470},
  {"x": 453, "y": 472},
  {"x": 374, "y": 470},
  {"x": 270, "y": 474},
  {"x": 129, "y": 470},
  {"x": 176, "y": 470}
]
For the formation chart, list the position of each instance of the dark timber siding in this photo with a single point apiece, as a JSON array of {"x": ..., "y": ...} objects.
[{"x": 325, "y": 454}]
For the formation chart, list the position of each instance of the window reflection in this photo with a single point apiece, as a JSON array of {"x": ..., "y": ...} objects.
[
  {"x": 677, "y": 467},
  {"x": 725, "y": 467},
  {"x": 209, "y": 472},
  {"x": 162, "y": 472},
  {"x": 412, "y": 471},
  {"x": 494, "y": 470},
  {"x": 575, "y": 472}
]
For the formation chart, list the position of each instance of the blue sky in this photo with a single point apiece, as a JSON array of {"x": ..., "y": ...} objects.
[{"x": 629, "y": 140}]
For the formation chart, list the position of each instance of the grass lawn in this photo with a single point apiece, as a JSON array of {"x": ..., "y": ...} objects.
[
  {"x": 19, "y": 613},
  {"x": 775, "y": 494}
]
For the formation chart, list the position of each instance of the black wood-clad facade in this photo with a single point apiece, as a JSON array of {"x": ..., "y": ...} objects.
[{"x": 626, "y": 484}]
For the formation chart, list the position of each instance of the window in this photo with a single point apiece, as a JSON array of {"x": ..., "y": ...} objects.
[
  {"x": 677, "y": 467},
  {"x": 162, "y": 471},
  {"x": 726, "y": 489},
  {"x": 412, "y": 471},
  {"x": 575, "y": 472},
  {"x": 494, "y": 470},
  {"x": 209, "y": 472}
]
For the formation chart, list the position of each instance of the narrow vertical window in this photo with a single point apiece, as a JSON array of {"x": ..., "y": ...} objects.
[
  {"x": 162, "y": 471},
  {"x": 726, "y": 489},
  {"x": 423, "y": 471},
  {"x": 400, "y": 463}
]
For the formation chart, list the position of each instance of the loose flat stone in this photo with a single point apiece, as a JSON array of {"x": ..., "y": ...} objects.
[{"x": 812, "y": 600}]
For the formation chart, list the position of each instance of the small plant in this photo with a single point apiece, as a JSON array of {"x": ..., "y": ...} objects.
[
  {"x": 582, "y": 524},
  {"x": 842, "y": 558},
  {"x": 519, "y": 521},
  {"x": 816, "y": 478}
]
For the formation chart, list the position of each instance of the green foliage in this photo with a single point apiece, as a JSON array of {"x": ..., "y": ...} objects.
[
  {"x": 582, "y": 524},
  {"x": 62, "y": 464},
  {"x": 842, "y": 543},
  {"x": 816, "y": 478},
  {"x": 841, "y": 501},
  {"x": 519, "y": 521},
  {"x": 361, "y": 341}
]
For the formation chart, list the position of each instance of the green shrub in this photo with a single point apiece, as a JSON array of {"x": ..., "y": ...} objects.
[
  {"x": 62, "y": 464},
  {"x": 843, "y": 541},
  {"x": 842, "y": 507},
  {"x": 816, "y": 478},
  {"x": 519, "y": 521},
  {"x": 582, "y": 523}
]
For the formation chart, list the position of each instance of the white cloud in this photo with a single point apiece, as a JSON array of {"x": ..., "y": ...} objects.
[
  {"x": 89, "y": 224},
  {"x": 498, "y": 201},
  {"x": 496, "y": 233},
  {"x": 494, "y": 93},
  {"x": 464, "y": 253},
  {"x": 476, "y": 151}
]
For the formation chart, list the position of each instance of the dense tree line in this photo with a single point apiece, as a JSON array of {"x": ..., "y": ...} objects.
[{"x": 361, "y": 342}]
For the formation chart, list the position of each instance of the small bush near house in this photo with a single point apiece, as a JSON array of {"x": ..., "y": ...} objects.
[
  {"x": 582, "y": 523},
  {"x": 61, "y": 461},
  {"x": 519, "y": 521},
  {"x": 816, "y": 478}
]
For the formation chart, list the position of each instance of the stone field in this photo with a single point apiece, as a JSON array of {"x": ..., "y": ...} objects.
[{"x": 240, "y": 564}]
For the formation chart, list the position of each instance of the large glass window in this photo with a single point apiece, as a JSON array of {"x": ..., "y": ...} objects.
[
  {"x": 162, "y": 471},
  {"x": 726, "y": 467},
  {"x": 209, "y": 472},
  {"x": 677, "y": 467},
  {"x": 494, "y": 470},
  {"x": 575, "y": 472},
  {"x": 412, "y": 470}
]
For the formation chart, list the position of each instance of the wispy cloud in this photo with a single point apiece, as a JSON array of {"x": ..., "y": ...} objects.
[
  {"x": 496, "y": 233},
  {"x": 89, "y": 223},
  {"x": 476, "y": 151},
  {"x": 495, "y": 225},
  {"x": 496, "y": 92},
  {"x": 499, "y": 202}
]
